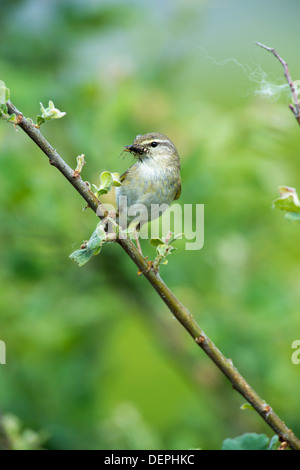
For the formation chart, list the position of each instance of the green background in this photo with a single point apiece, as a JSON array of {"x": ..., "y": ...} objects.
[{"x": 94, "y": 358}]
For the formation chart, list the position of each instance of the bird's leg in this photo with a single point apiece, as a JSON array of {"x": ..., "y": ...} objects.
[{"x": 136, "y": 236}]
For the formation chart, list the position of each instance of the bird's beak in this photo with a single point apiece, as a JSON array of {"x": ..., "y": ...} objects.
[{"x": 136, "y": 149}]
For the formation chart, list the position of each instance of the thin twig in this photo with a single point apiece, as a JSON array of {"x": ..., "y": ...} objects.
[
  {"x": 174, "y": 305},
  {"x": 296, "y": 107}
]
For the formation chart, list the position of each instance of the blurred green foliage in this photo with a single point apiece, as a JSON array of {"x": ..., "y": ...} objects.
[
  {"x": 86, "y": 361},
  {"x": 251, "y": 441},
  {"x": 14, "y": 437}
]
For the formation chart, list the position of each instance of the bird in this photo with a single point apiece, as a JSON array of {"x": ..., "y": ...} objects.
[{"x": 154, "y": 179}]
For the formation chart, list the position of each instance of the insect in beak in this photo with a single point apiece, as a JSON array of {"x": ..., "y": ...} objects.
[{"x": 137, "y": 149}]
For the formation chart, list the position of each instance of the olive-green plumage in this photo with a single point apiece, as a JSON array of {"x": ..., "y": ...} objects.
[{"x": 154, "y": 178}]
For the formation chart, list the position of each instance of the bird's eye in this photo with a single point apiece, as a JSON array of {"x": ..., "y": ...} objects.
[{"x": 154, "y": 144}]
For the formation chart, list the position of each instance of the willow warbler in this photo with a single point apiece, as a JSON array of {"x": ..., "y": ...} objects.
[{"x": 154, "y": 179}]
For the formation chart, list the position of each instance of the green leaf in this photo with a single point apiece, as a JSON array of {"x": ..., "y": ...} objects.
[
  {"x": 99, "y": 232},
  {"x": 4, "y": 97},
  {"x": 288, "y": 200},
  {"x": 293, "y": 217},
  {"x": 91, "y": 248},
  {"x": 116, "y": 179},
  {"x": 274, "y": 443},
  {"x": 4, "y": 93},
  {"x": 80, "y": 162},
  {"x": 12, "y": 118},
  {"x": 40, "y": 120},
  {"x": 106, "y": 179},
  {"x": 162, "y": 249},
  {"x": 248, "y": 441},
  {"x": 156, "y": 242},
  {"x": 49, "y": 113},
  {"x": 246, "y": 406},
  {"x": 102, "y": 191},
  {"x": 165, "y": 250},
  {"x": 83, "y": 255},
  {"x": 3, "y": 109}
]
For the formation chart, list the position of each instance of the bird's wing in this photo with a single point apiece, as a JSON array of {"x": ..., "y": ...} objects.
[
  {"x": 122, "y": 177},
  {"x": 127, "y": 173},
  {"x": 177, "y": 195}
]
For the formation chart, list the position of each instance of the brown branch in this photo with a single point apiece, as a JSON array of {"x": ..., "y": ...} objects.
[
  {"x": 174, "y": 305},
  {"x": 295, "y": 108}
]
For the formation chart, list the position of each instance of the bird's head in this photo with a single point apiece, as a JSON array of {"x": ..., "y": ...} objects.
[{"x": 153, "y": 145}]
